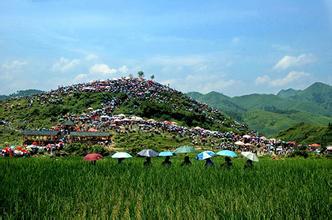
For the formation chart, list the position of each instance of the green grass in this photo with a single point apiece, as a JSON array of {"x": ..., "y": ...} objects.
[
  {"x": 71, "y": 188},
  {"x": 165, "y": 140}
]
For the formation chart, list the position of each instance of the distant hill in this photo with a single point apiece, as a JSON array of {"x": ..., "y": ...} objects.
[
  {"x": 308, "y": 134},
  {"x": 21, "y": 93},
  {"x": 318, "y": 93},
  {"x": 269, "y": 114}
]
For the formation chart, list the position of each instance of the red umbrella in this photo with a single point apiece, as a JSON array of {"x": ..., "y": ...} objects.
[{"x": 93, "y": 157}]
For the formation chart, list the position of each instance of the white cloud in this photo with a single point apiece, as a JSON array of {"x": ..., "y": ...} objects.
[
  {"x": 289, "y": 78},
  {"x": 123, "y": 69},
  {"x": 91, "y": 57},
  {"x": 101, "y": 71},
  {"x": 293, "y": 61},
  {"x": 14, "y": 64},
  {"x": 263, "y": 79},
  {"x": 64, "y": 64}
]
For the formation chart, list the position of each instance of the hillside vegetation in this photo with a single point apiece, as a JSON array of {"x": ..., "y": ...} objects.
[
  {"x": 269, "y": 114},
  {"x": 305, "y": 134}
]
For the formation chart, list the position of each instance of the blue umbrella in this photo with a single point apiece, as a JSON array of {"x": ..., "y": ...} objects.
[
  {"x": 205, "y": 155},
  {"x": 165, "y": 154},
  {"x": 227, "y": 153}
]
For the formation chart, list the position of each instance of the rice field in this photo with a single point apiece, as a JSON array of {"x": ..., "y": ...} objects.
[{"x": 72, "y": 188}]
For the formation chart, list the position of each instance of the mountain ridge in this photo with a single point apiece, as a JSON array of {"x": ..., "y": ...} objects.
[{"x": 272, "y": 113}]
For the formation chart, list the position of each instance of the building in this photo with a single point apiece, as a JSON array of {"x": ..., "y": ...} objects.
[
  {"x": 89, "y": 137},
  {"x": 42, "y": 137}
]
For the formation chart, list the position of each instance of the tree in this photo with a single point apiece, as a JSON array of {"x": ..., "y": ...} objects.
[
  {"x": 140, "y": 74},
  {"x": 152, "y": 77}
]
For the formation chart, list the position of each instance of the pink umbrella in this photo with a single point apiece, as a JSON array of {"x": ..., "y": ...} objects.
[{"x": 93, "y": 157}]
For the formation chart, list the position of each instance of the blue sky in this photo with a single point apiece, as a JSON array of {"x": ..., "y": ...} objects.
[{"x": 234, "y": 47}]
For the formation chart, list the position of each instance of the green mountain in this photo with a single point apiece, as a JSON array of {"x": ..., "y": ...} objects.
[
  {"x": 318, "y": 93},
  {"x": 21, "y": 93},
  {"x": 269, "y": 114},
  {"x": 307, "y": 134},
  {"x": 286, "y": 93}
]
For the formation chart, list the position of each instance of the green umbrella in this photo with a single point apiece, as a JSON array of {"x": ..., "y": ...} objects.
[{"x": 184, "y": 150}]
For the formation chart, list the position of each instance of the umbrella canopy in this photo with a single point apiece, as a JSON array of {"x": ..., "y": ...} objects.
[
  {"x": 246, "y": 136},
  {"x": 184, "y": 150},
  {"x": 250, "y": 156},
  {"x": 227, "y": 153},
  {"x": 165, "y": 154},
  {"x": 314, "y": 145},
  {"x": 119, "y": 155},
  {"x": 205, "y": 155},
  {"x": 19, "y": 148},
  {"x": 239, "y": 143},
  {"x": 148, "y": 153},
  {"x": 93, "y": 157}
]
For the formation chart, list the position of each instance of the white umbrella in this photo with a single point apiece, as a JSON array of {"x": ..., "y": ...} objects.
[
  {"x": 239, "y": 143},
  {"x": 136, "y": 118},
  {"x": 118, "y": 155},
  {"x": 148, "y": 153},
  {"x": 250, "y": 156},
  {"x": 246, "y": 136}
]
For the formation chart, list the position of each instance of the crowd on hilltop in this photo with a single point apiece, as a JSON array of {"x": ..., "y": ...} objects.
[{"x": 138, "y": 88}]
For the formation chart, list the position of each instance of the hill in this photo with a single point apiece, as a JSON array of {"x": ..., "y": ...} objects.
[
  {"x": 129, "y": 96},
  {"x": 306, "y": 134},
  {"x": 318, "y": 93},
  {"x": 269, "y": 114},
  {"x": 21, "y": 93}
]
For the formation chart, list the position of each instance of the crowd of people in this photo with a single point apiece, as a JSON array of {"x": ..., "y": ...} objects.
[
  {"x": 28, "y": 150},
  {"x": 138, "y": 88}
]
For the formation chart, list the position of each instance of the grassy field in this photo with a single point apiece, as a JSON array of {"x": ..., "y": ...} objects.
[{"x": 71, "y": 188}]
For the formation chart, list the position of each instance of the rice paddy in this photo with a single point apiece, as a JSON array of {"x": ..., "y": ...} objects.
[{"x": 72, "y": 188}]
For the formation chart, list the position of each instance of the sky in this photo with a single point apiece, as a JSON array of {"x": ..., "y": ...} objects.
[{"x": 233, "y": 47}]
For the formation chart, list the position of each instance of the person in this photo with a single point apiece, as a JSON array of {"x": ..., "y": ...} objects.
[
  {"x": 147, "y": 162},
  {"x": 167, "y": 162},
  {"x": 209, "y": 162},
  {"x": 228, "y": 163},
  {"x": 186, "y": 161},
  {"x": 120, "y": 160},
  {"x": 249, "y": 164}
]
